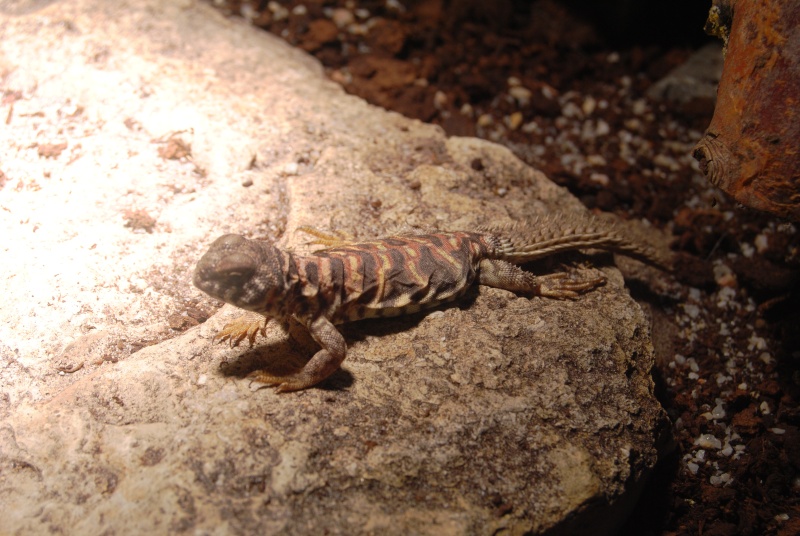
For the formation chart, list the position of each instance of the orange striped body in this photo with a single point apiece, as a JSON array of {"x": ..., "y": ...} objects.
[{"x": 388, "y": 277}]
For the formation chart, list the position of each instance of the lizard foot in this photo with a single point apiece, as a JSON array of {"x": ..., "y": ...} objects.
[
  {"x": 287, "y": 383},
  {"x": 247, "y": 326},
  {"x": 564, "y": 286},
  {"x": 320, "y": 366}
]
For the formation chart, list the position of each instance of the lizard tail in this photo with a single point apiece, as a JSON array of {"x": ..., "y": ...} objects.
[{"x": 530, "y": 240}]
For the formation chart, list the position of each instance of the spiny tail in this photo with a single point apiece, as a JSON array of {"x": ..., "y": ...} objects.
[{"x": 527, "y": 241}]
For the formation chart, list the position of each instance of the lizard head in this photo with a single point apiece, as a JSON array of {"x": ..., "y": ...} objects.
[{"x": 245, "y": 273}]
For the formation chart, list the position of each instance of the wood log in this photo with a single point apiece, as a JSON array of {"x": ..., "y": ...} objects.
[{"x": 751, "y": 149}]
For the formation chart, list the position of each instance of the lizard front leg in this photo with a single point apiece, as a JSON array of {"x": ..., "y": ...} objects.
[
  {"x": 329, "y": 240},
  {"x": 501, "y": 274},
  {"x": 247, "y": 326},
  {"x": 324, "y": 363}
]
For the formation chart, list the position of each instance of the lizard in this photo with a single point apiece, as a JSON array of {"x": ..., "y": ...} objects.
[{"x": 395, "y": 275}]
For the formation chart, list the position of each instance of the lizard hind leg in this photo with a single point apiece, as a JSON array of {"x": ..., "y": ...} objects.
[{"x": 501, "y": 274}]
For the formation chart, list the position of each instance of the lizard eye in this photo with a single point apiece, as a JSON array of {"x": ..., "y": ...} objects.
[{"x": 235, "y": 266}]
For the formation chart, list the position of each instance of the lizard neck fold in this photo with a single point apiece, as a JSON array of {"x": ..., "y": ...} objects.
[{"x": 273, "y": 284}]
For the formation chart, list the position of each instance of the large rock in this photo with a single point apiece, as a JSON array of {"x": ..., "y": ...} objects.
[{"x": 133, "y": 136}]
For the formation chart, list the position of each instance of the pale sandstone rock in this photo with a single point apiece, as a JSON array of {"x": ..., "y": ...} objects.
[{"x": 502, "y": 414}]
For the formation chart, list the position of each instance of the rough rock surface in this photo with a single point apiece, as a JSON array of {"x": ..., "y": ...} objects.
[{"x": 135, "y": 134}]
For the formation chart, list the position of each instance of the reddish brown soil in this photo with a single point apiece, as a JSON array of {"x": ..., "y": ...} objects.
[{"x": 728, "y": 334}]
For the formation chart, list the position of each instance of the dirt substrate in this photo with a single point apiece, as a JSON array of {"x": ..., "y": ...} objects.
[{"x": 566, "y": 91}]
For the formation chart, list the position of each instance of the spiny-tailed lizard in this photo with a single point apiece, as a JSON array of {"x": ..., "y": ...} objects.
[{"x": 390, "y": 276}]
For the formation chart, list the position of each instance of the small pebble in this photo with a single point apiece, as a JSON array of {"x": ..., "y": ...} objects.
[
  {"x": 596, "y": 160},
  {"x": 571, "y": 110},
  {"x": 761, "y": 242},
  {"x": 485, "y": 120},
  {"x": 278, "y": 11},
  {"x": 248, "y": 12},
  {"x": 520, "y": 94},
  {"x": 342, "y": 17},
  {"x": 589, "y": 105},
  {"x": 708, "y": 441},
  {"x": 548, "y": 92},
  {"x": 514, "y": 120},
  {"x": 440, "y": 100},
  {"x": 292, "y": 168}
]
